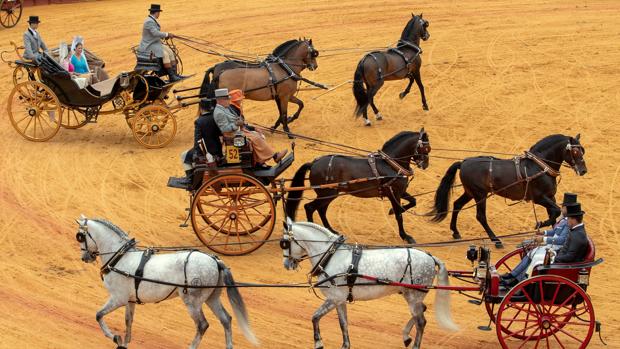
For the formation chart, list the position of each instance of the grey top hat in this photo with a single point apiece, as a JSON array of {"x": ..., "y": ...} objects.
[{"x": 222, "y": 93}]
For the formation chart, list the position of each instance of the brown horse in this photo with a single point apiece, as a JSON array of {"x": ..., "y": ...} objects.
[
  {"x": 397, "y": 63},
  {"x": 274, "y": 78}
]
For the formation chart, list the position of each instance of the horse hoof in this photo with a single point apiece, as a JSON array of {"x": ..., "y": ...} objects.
[
  {"x": 367, "y": 122},
  {"x": 121, "y": 347},
  {"x": 498, "y": 244},
  {"x": 410, "y": 240},
  {"x": 425, "y": 107},
  {"x": 117, "y": 339},
  {"x": 379, "y": 117},
  {"x": 402, "y": 95},
  {"x": 407, "y": 342},
  {"x": 456, "y": 236}
]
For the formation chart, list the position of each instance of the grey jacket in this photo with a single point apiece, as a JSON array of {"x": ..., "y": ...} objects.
[
  {"x": 225, "y": 119},
  {"x": 151, "y": 38},
  {"x": 33, "y": 45}
]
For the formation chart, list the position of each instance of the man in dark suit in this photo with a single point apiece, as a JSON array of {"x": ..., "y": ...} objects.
[
  {"x": 575, "y": 247},
  {"x": 205, "y": 129},
  {"x": 33, "y": 43}
]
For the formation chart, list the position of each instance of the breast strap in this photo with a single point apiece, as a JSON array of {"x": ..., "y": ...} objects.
[
  {"x": 319, "y": 268},
  {"x": 146, "y": 255},
  {"x": 353, "y": 272}
]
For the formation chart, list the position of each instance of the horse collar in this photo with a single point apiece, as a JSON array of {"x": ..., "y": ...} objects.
[
  {"x": 116, "y": 257},
  {"x": 327, "y": 256}
]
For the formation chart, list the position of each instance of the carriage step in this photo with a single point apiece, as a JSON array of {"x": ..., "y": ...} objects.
[
  {"x": 484, "y": 328},
  {"x": 184, "y": 225},
  {"x": 475, "y": 301},
  {"x": 178, "y": 182}
]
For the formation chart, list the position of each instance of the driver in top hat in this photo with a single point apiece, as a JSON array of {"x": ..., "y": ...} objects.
[
  {"x": 151, "y": 43},
  {"x": 33, "y": 43}
]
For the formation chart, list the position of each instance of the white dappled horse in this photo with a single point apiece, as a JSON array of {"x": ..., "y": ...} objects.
[
  {"x": 198, "y": 271},
  {"x": 304, "y": 240}
]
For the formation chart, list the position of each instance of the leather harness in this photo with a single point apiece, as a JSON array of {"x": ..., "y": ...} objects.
[
  {"x": 352, "y": 272},
  {"x": 146, "y": 255}
]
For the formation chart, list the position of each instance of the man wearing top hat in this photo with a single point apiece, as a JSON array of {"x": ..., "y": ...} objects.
[
  {"x": 151, "y": 43},
  {"x": 33, "y": 43},
  {"x": 551, "y": 239},
  {"x": 576, "y": 246}
]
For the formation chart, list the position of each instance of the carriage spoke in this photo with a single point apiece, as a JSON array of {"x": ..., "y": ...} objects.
[
  {"x": 565, "y": 301},
  {"x": 566, "y": 333},
  {"x": 529, "y": 337},
  {"x": 558, "y": 339}
]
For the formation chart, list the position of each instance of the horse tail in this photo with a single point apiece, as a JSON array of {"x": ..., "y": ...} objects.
[
  {"x": 442, "y": 299},
  {"x": 442, "y": 195},
  {"x": 360, "y": 93},
  {"x": 207, "y": 89},
  {"x": 294, "y": 197},
  {"x": 236, "y": 301}
]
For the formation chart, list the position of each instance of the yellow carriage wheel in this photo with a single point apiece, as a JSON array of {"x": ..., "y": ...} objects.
[
  {"x": 233, "y": 214},
  {"x": 72, "y": 118},
  {"x": 154, "y": 126},
  {"x": 34, "y": 110}
]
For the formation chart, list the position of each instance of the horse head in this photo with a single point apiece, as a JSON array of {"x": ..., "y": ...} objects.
[
  {"x": 573, "y": 155},
  {"x": 310, "y": 54},
  {"x": 422, "y": 150},
  {"x": 416, "y": 29},
  {"x": 88, "y": 245},
  {"x": 302, "y": 241},
  {"x": 407, "y": 146}
]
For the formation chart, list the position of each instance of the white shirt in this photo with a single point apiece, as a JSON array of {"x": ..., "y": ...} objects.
[{"x": 33, "y": 32}]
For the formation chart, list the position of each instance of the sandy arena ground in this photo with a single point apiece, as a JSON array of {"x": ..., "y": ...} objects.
[{"x": 499, "y": 76}]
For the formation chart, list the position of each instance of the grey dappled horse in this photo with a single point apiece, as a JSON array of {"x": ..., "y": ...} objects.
[
  {"x": 310, "y": 241},
  {"x": 101, "y": 238}
]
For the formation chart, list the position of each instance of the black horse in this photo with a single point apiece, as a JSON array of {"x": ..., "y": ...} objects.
[
  {"x": 387, "y": 175},
  {"x": 398, "y": 63},
  {"x": 528, "y": 177}
]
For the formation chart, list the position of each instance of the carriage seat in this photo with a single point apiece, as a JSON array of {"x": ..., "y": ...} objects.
[
  {"x": 147, "y": 62},
  {"x": 104, "y": 88},
  {"x": 571, "y": 270}
]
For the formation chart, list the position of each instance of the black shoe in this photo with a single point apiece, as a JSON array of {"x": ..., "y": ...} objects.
[
  {"x": 174, "y": 68},
  {"x": 506, "y": 276},
  {"x": 509, "y": 283},
  {"x": 172, "y": 75}
]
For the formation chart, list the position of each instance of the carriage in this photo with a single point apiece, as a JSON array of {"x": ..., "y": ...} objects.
[
  {"x": 10, "y": 12},
  {"x": 550, "y": 309},
  {"x": 232, "y": 201},
  {"x": 45, "y": 97}
]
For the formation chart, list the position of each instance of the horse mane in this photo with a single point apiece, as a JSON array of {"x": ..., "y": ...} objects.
[
  {"x": 397, "y": 138},
  {"x": 285, "y": 47},
  {"x": 548, "y": 142},
  {"x": 120, "y": 232},
  {"x": 321, "y": 228},
  {"x": 408, "y": 28}
]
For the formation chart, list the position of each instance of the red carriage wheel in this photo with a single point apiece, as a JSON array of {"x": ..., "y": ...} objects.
[
  {"x": 233, "y": 214},
  {"x": 545, "y": 311}
]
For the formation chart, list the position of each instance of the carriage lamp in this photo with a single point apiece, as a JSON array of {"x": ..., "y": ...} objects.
[
  {"x": 472, "y": 254},
  {"x": 584, "y": 277},
  {"x": 239, "y": 140},
  {"x": 124, "y": 79}
]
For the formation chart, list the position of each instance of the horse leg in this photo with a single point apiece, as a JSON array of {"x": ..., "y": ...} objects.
[
  {"x": 344, "y": 325},
  {"x": 552, "y": 210},
  {"x": 323, "y": 214},
  {"x": 129, "y": 312},
  {"x": 310, "y": 208},
  {"x": 325, "y": 308},
  {"x": 418, "y": 80},
  {"x": 406, "y": 91},
  {"x": 408, "y": 197},
  {"x": 215, "y": 304},
  {"x": 481, "y": 216},
  {"x": 284, "y": 114},
  {"x": 458, "y": 205},
  {"x": 195, "y": 311},
  {"x": 417, "y": 309},
  {"x": 297, "y": 101},
  {"x": 111, "y": 305},
  {"x": 371, "y": 99},
  {"x": 398, "y": 213}
]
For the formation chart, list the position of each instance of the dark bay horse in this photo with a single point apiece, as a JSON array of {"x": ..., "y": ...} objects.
[
  {"x": 274, "y": 78},
  {"x": 398, "y": 63},
  {"x": 392, "y": 181},
  {"x": 531, "y": 177}
]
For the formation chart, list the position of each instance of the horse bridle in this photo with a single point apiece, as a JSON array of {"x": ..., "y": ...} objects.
[
  {"x": 574, "y": 150},
  {"x": 421, "y": 151},
  {"x": 82, "y": 236},
  {"x": 286, "y": 244}
]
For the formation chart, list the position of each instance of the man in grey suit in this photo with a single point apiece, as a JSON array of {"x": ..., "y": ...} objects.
[
  {"x": 151, "y": 43},
  {"x": 33, "y": 43}
]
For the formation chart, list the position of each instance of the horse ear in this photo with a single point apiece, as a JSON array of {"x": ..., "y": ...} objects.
[
  {"x": 310, "y": 41},
  {"x": 578, "y": 136},
  {"x": 421, "y": 14},
  {"x": 412, "y": 15}
]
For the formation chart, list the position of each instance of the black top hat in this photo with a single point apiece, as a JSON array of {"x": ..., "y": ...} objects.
[
  {"x": 574, "y": 210},
  {"x": 34, "y": 19},
  {"x": 155, "y": 8},
  {"x": 569, "y": 199}
]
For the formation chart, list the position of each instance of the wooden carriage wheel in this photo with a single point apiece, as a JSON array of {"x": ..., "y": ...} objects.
[
  {"x": 72, "y": 119},
  {"x": 35, "y": 111},
  {"x": 233, "y": 214},
  {"x": 22, "y": 74},
  {"x": 154, "y": 126},
  {"x": 10, "y": 12},
  {"x": 548, "y": 311}
]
